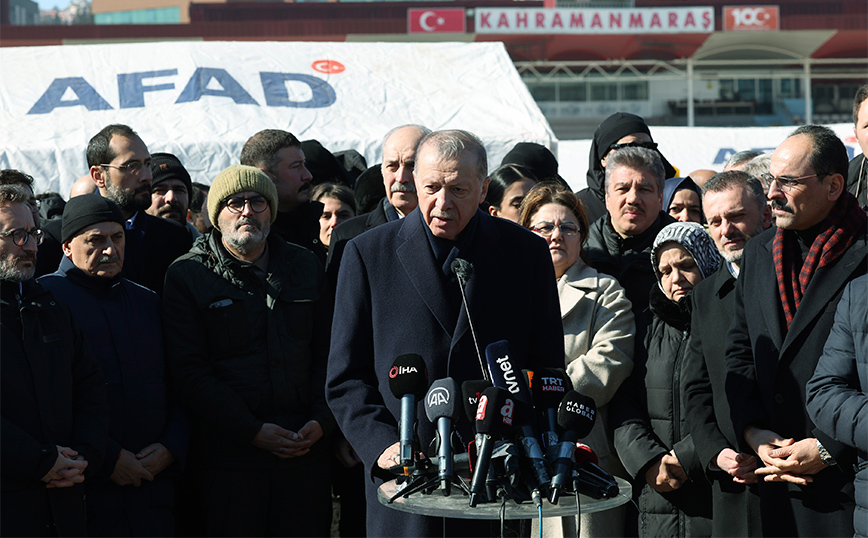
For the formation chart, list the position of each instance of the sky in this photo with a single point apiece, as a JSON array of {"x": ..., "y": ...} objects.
[{"x": 51, "y": 4}]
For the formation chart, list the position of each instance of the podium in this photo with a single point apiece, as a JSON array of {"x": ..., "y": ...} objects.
[{"x": 457, "y": 505}]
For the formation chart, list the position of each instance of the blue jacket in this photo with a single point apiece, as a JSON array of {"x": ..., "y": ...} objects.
[{"x": 838, "y": 392}]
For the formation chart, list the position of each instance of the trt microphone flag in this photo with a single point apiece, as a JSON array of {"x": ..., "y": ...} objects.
[{"x": 432, "y": 21}]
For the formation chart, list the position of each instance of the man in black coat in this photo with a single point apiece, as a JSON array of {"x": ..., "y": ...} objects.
[
  {"x": 619, "y": 242},
  {"x": 736, "y": 209},
  {"x": 52, "y": 395},
  {"x": 279, "y": 154},
  {"x": 148, "y": 433},
  {"x": 857, "y": 183},
  {"x": 400, "y": 296},
  {"x": 785, "y": 300},
  {"x": 399, "y": 158}
]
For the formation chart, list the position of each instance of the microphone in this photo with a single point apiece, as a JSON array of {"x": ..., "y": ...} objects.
[
  {"x": 548, "y": 387},
  {"x": 470, "y": 393},
  {"x": 504, "y": 374},
  {"x": 408, "y": 380},
  {"x": 463, "y": 270},
  {"x": 586, "y": 464},
  {"x": 494, "y": 418},
  {"x": 441, "y": 410},
  {"x": 576, "y": 415}
]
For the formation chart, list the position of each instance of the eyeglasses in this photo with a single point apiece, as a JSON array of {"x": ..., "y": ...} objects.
[
  {"x": 787, "y": 184},
  {"x": 236, "y": 205},
  {"x": 20, "y": 236},
  {"x": 546, "y": 229},
  {"x": 133, "y": 167},
  {"x": 646, "y": 145}
]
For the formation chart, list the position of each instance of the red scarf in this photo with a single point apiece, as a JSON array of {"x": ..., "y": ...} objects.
[{"x": 845, "y": 223}]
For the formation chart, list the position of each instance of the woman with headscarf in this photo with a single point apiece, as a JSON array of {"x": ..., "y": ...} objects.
[
  {"x": 621, "y": 129},
  {"x": 651, "y": 436},
  {"x": 598, "y": 333},
  {"x": 682, "y": 199}
]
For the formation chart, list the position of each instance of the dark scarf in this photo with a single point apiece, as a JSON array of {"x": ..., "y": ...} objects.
[{"x": 836, "y": 233}]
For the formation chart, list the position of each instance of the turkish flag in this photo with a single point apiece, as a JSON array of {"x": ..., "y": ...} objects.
[{"x": 430, "y": 21}]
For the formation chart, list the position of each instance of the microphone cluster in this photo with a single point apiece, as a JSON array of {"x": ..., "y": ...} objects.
[{"x": 527, "y": 425}]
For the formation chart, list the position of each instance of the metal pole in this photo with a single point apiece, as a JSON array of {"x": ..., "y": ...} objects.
[
  {"x": 690, "y": 112},
  {"x": 809, "y": 102}
]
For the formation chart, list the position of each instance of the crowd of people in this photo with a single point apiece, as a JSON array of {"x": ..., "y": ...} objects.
[{"x": 181, "y": 359}]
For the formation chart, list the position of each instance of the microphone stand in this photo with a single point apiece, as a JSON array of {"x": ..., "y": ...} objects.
[{"x": 461, "y": 267}]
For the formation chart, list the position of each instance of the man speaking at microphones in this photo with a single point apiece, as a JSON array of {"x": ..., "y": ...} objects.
[{"x": 399, "y": 295}]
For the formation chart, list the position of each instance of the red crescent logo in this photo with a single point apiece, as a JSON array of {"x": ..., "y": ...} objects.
[{"x": 329, "y": 67}]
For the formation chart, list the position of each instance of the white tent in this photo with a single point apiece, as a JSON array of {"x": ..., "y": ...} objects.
[{"x": 203, "y": 100}]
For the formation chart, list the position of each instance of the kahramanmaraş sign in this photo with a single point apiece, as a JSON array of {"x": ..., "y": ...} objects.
[{"x": 675, "y": 20}]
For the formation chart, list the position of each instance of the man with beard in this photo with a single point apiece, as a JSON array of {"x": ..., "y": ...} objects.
[
  {"x": 52, "y": 394},
  {"x": 132, "y": 495},
  {"x": 399, "y": 160},
  {"x": 246, "y": 319},
  {"x": 785, "y": 300},
  {"x": 120, "y": 167},
  {"x": 279, "y": 154},
  {"x": 736, "y": 209},
  {"x": 171, "y": 191}
]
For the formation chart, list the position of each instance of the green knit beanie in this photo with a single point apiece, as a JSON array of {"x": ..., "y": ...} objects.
[{"x": 240, "y": 178}]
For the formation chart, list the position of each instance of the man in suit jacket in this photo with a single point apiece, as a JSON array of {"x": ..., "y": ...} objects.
[
  {"x": 400, "y": 296},
  {"x": 785, "y": 303},
  {"x": 399, "y": 159},
  {"x": 736, "y": 209}
]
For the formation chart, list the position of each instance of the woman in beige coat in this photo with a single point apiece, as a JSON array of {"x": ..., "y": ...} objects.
[{"x": 598, "y": 333}]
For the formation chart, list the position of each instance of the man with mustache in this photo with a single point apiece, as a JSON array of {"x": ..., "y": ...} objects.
[
  {"x": 279, "y": 154},
  {"x": 736, "y": 209},
  {"x": 52, "y": 395},
  {"x": 246, "y": 317},
  {"x": 399, "y": 295},
  {"x": 399, "y": 159},
  {"x": 171, "y": 191},
  {"x": 785, "y": 299},
  {"x": 148, "y": 433}
]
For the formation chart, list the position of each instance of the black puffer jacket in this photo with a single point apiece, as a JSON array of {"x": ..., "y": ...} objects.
[
  {"x": 245, "y": 351},
  {"x": 651, "y": 423}
]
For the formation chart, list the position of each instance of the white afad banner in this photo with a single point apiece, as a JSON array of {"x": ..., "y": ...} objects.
[{"x": 202, "y": 100}]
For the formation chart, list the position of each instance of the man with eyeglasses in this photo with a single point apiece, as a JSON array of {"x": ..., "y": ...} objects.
[
  {"x": 52, "y": 395},
  {"x": 246, "y": 319},
  {"x": 119, "y": 164},
  {"x": 791, "y": 280},
  {"x": 171, "y": 191}
]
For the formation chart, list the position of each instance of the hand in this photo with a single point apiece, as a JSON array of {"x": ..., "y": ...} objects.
[
  {"x": 666, "y": 474},
  {"x": 284, "y": 443},
  {"x": 345, "y": 454},
  {"x": 795, "y": 463},
  {"x": 738, "y": 465},
  {"x": 129, "y": 470},
  {"x": 390, "y": 457},
  {"x": 68, "y": 469},
  {"x": 155, "y": 458}
]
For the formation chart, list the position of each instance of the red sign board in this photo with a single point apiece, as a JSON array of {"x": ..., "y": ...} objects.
[
  {"x": 432, "y": 21},
  {"x": 751, "y": 18}
]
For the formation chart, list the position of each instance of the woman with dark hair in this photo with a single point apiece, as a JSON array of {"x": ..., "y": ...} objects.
[
  {"x": 651, "y": 435},
  {"x": 682, "y": 199},
  {"x": 339, "y": 205},
  {"x": 506, "y": 190},
  {"x": 598, "y": 332},
  {"x": 619, "y": 130}
]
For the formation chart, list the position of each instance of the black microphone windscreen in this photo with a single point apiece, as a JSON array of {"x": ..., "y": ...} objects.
[
  {"x": 549, "y": 386},
  {"x": 495, "y": 412},
  {"x": 408, "y": 376},
  {"x": 463, "y": 269},
  {"x": 577, "y": 413},
  {"x": 504, "y": 371},
  {"x": 441, "y": 400},
  {"x": 470, "y": 393}
]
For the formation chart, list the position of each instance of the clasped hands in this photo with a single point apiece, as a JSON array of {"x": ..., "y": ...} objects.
[
  {"x": 785, "y": 460},
  {"x": 284, "y": 443}
]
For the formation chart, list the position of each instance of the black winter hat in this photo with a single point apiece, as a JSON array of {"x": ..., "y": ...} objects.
[
  {"x": 166, "y": 166},
  {"x": 87, "y": 210}
]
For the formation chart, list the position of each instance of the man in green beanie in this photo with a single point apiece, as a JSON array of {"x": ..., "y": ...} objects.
[{"x": 246, "y": 321}]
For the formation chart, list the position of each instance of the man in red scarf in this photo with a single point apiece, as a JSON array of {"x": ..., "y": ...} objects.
[{"x": 792, "y": 278}]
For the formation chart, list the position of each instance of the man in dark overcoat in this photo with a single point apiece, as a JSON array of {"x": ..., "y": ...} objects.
[
  {"x": 400, "y": 296},
  {"x": 736, "y": 209},
  {"x": 785, "y": 299}
]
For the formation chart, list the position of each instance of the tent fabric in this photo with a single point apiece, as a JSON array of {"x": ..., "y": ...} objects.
[{"x": 202, "y": 100}]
